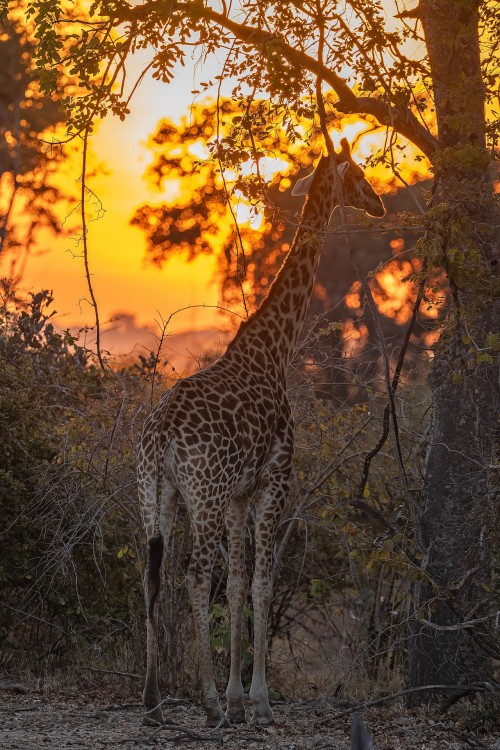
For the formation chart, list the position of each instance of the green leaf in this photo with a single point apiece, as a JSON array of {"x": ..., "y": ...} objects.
[
  {"x": 217, "y": 612},
  {"x": 484, "y": 358},
  {"x": 493, "y": 341},
  {"x": 318, "y": 587}
]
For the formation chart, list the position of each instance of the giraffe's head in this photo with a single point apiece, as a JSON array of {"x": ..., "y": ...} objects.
[{"x": 356, "y": 189}]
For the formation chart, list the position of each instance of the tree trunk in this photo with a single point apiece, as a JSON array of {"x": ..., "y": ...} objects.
[{"x": 456, "y": 512}]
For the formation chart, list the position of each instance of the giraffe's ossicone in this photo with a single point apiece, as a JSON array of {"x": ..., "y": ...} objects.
[{"x": 223, "y": 438}]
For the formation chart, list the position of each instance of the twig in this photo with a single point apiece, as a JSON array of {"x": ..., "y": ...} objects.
[
  {"x": 122, "y": 707},
  {"x": 391, "y": 406},
  {"x": 459, "y": 625},
  {"x": 161, "y": 339},
  {"x": 190, "y": 734},
  {"x": 113, "y": 671},
  {"x": 34, "y": 617},
  {"x": 163, "y": 335},
  {"x": 395, "y": 382},
  {"x": 111, "y": 439},
  {"x": 239, "y": 238},
  {"x": 319, "y": 96}
]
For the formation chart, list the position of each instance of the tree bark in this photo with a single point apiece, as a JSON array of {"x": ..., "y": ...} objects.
[{"x": 456, "y": 508}]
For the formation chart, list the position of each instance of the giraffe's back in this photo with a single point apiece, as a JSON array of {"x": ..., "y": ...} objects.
[{"x": 215, "y": 429}]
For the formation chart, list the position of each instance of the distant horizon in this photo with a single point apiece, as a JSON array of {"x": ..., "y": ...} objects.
[{"x": 126, "y": 341}]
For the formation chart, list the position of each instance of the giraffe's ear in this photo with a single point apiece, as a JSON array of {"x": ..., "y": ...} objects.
[
  {"x": 342, "y": 168},
  {"x": 302, "y": 186}
]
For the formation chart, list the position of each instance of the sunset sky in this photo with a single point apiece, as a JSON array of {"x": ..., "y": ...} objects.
[{"x": 123, "y": 282}]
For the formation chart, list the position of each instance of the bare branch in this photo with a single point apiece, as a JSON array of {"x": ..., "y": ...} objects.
[{"x": 85, "y": 250}]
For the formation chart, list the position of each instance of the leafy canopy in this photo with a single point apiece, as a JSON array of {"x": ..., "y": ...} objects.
[{"x": 274, "y": 49}]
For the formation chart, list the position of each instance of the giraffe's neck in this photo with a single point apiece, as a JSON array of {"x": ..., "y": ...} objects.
[{"x": 278, "y": 321}]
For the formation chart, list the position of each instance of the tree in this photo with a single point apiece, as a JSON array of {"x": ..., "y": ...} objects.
[
  {"x": 426, "y": 76},
  {"x": 26, "y": 167},
  {"x": 457, "y": 514}
]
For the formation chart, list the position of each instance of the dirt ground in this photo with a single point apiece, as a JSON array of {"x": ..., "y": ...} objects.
[{"x": 31, "y": 719}]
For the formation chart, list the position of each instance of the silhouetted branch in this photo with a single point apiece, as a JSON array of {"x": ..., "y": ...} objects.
[{"x": 85, "y": 249}]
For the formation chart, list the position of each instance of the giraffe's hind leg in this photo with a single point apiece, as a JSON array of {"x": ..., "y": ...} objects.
[
  {"x": 199, "y": 578},
  {"x": 271, "y": 497},
  {"x": 237, "y": 587},
  {"x": 158, "y": 542},
  {"x": 268, "y": 512}
]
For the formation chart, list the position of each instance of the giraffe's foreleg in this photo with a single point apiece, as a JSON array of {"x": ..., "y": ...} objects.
[
  {"x": 236, "y": 590},
  {"x": 198, "y": 580}
]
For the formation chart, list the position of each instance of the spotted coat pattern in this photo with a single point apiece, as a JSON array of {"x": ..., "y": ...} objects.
[{"x": 223, "y": 437}]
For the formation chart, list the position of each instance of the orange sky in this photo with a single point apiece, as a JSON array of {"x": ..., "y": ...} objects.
[
  {"x": 122, "y": 280},
  {"x": 123, "y": 283}
]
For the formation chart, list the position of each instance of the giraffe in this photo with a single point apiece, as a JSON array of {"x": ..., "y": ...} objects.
[{"x": 224, "y": 437}]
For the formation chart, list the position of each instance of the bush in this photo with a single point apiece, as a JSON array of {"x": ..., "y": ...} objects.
[{"x": 70, "y": 555}]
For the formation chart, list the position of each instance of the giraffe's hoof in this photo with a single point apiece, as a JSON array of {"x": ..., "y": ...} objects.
[
  {"x": 263, "y": 718},
  {"x": 152, "y": 718},
  {"x": 217, "y": 721},
  {"x": 236, "y": 716}
]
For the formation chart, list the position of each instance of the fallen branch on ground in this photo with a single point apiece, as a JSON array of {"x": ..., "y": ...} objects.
[
  {"x": 480, "y": 687},
  {"x": 112, "y": 671}
]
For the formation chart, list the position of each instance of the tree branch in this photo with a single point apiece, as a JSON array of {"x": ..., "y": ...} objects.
[
  {"x": 401, "y": 119},
  {"x": 85, "y": 251}
]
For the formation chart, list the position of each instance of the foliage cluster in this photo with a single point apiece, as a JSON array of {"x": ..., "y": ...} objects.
[
  {"x": 215, "y": 165},
  {"x": 225, "y": 173}
]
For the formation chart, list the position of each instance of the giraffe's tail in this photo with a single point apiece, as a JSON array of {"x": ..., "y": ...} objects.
[{"x": 155, "y": 556}]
